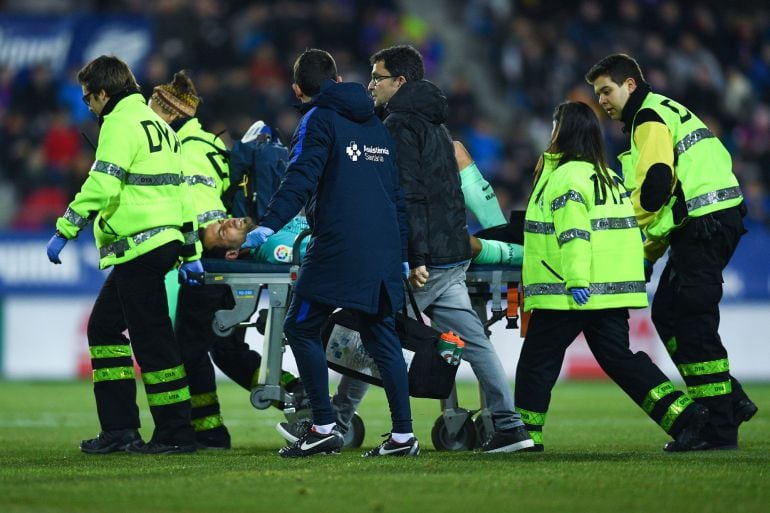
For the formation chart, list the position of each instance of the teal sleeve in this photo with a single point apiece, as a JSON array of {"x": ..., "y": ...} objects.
[
  {"x": 498, "y": 252},
  {"x": 480, "y": 199},
  {"x": 278, "y": 248}
]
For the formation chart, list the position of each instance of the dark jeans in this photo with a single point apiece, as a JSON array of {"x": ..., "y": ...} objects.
[
  {"x": 302, "y": 327},
  {"x": 195, "y": 314}
]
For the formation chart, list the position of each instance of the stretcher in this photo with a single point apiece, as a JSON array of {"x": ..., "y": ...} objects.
[
  {"x": 456, "y": 429},
  {"x": 246, "y": 280}
]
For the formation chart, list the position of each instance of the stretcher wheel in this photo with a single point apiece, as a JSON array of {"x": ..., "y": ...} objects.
[
  {"x": 355, "y": 435},
  {"x": 220, "y": 332},
  {"x": 258, "y": 399},
  {"x": 465, "y": 440}
]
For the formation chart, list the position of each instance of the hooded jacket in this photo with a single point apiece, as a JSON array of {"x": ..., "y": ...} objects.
[
  {"x": 135, "y": 192},
  {"x": 343, "y": 171},
  {"x": 435, "y": 207}
]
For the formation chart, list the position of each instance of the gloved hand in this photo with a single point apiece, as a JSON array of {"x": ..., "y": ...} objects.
[
  {"x": 580, "y": 295},
  {"x": 255, "y": 130},
  {"x": 256, "y": 237},
  {"x": 54, "y": 247},
  {"x": 647, "y": 270},
  {"x": 405, "y": 269},
  {"x": 191, "y": 273}
]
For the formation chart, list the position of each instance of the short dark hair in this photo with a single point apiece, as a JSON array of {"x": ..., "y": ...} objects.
[
  {"x": 311, "y": 68},
  {"x": 401, "y": 61},
  {"x": 109, "y": 73},
  {"x": 618, "y": 67}
]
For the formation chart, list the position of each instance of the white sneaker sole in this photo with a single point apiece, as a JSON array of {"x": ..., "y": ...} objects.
[
  {"x": 285, "y": 434},
  {"x": 524, "y": 444}
]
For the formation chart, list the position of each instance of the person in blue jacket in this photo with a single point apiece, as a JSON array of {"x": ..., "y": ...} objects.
[{"x": 342, "y": 167}]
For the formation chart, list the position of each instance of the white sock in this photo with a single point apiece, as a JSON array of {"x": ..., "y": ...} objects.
[
  {"x": 401, "y": 438},
  {"x": 324, "y": 429}
]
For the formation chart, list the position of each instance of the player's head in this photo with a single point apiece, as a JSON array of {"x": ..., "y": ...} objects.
[{"x": 223, "y": 238}]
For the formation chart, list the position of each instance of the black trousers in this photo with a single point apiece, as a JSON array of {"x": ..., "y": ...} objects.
[
  {"x": 685, "y": 312},
  {"x": 195, "y": 313},
  {"x": 133, "y": 297},
  {"x": 606, "y": 331}
]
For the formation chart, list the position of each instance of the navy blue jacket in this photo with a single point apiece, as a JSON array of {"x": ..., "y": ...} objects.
[{"x": 342, "y": 169}]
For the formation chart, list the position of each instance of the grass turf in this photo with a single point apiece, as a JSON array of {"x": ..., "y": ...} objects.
[{"x": 602, "y": 455}]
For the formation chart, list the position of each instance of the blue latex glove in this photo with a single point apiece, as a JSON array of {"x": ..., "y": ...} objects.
[
  {"x": 191, "y": 273},
  {"x": 256, "y": 237},
  {"x": 580, "y": 295},
  {"x": 54, "y": 247},
  {"x": 405, "y": 269},
  {"x": 647, "y": 270}
]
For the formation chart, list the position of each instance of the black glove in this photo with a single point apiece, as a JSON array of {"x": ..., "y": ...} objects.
[{"x": 647, "y": 271}]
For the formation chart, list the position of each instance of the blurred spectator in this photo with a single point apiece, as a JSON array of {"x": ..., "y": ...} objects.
[{"x": 716, "y": 54}]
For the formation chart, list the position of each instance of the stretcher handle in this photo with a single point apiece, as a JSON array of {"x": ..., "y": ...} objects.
[
  {"x": 297, "y": 243},
  {"x": 199, "y": 277}
]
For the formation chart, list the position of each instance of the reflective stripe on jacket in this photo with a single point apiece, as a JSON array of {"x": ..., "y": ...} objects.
[
  {"x": 702, "y": 166},
  {"x": 135, "y": 190},
  {"x": 577, "y": 236},
  {"x": 206, "y": 170}
]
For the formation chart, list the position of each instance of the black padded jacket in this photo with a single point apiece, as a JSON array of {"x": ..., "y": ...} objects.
[{"x": 435, "y": 207}]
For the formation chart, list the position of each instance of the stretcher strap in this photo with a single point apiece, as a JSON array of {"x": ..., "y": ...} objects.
[
  {"x": 512, "y": 311},
  {"x": 525, "y": 316}
]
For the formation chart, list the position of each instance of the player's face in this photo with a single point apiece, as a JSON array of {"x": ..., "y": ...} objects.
[
  {"x": 227, "y": 233},
  {"x": 383, "y": 85},
  {"x": 613, "y": 97}
]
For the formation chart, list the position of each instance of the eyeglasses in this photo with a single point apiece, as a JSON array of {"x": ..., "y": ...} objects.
[
  {"x": 377, "y": 79},
  {"x": 87, "y": 99}
]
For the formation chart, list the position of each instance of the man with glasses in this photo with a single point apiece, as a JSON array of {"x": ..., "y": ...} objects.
[
  {"x": 414, "y": 112},
  {"x": 144, "y": 223}
]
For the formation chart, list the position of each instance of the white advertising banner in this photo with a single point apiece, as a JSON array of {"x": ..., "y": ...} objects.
[{"x": 45, "y": 338}]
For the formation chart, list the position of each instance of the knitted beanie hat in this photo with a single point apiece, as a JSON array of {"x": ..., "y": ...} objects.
[{"x": 178, "y": 97}]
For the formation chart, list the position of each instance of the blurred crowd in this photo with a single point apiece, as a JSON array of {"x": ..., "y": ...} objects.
[{"x": 712, "y": 56}]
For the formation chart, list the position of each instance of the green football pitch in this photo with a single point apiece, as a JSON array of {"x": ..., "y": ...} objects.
[{"x": 602, "y": 455}]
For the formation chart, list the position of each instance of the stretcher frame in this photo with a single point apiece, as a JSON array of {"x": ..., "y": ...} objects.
[{"x": 456, "y": 429}]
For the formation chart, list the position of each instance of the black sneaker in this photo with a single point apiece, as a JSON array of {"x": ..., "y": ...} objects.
[
  {"x": 217, "y": 438},
  {"x": 110, "y": 441},
  {"x": 509, "y": 440},
  {"x": 293, "y": 431},
  {"x": 140, "y": 447},
  {"x": 689, "y": 437},
  {"x": 743, "y": 410},
  {"x": 390, "y": 448},
  {"x": 312, "y": 442},
  {"x": 204, "y": 443}
]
